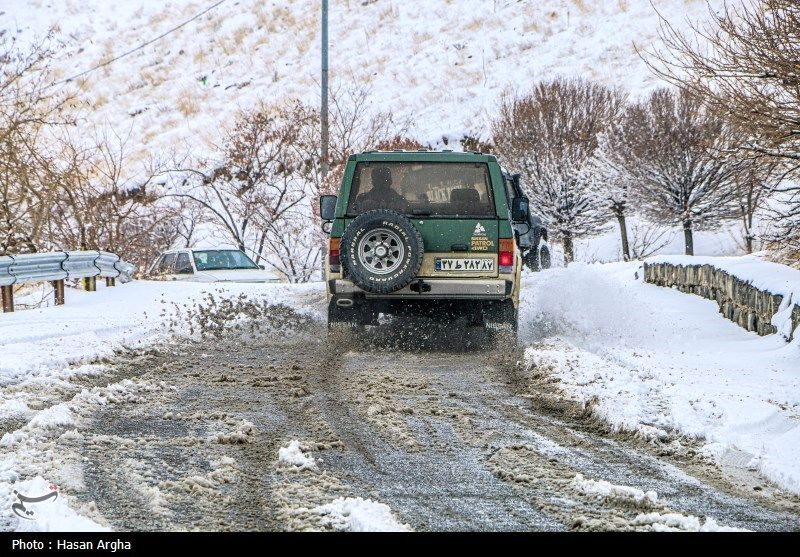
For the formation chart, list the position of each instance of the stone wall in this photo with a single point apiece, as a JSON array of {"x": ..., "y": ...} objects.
[{"x": 737, "y": 299}]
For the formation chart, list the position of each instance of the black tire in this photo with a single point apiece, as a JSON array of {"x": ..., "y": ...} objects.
[
  {"x": 404, "y": 241},
  {"x": 544, "y": 258},
  {"x": 530, "y": 260}
]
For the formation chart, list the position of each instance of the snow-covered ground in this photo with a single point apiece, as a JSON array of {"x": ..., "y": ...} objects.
[
  {"x": 47, "y": 342},
  {"x": 770, "y": 277},
  {"x": 443, "y": 64},
  {"x": 654, "y": 360},
  {"x": 644, "y": 358}
]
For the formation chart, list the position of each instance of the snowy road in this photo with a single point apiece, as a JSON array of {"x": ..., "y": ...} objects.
[{"x": 448, "y": 438}]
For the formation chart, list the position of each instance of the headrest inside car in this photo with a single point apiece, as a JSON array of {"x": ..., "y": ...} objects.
[{"x": 465, "y": 195}]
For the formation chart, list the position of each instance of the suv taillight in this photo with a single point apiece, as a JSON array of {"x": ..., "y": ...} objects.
[
  {"x": 334, "y": 260},
  {"x": 505, "y": 257}
]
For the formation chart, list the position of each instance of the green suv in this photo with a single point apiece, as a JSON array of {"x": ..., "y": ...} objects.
[{"x": 423, "y": 232}]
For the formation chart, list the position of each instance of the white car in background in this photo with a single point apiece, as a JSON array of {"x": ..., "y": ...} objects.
[{"x": 209, "y": 265}]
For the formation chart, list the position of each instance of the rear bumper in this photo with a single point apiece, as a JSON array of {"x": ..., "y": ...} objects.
[{"x": 440, "y": 289}]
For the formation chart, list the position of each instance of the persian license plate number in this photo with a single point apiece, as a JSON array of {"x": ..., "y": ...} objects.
[{"x": 450, "y": 265}]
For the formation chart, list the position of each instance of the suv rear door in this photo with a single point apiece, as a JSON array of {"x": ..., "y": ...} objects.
[{"x": 450, "y": 203}]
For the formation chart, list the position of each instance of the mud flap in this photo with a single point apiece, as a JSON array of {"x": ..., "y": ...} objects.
[{"x": 500, "y": 322}]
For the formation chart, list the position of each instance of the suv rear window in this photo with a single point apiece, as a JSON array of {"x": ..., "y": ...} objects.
[{"x": 430, "y": 188}]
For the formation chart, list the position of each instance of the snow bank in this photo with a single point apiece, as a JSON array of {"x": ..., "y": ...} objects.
[
  {"x": 674, "y": 522},
  {"x": 294, "y": 456},
  {"x": 354, "y": 514},
  {"x": 52, "y": 515},
  {"x": 45, "y": 342},
  {"x": 651, "y": 360}
]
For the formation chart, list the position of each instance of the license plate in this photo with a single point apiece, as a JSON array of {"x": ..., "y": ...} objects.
[{"x": 465, "y": 265}]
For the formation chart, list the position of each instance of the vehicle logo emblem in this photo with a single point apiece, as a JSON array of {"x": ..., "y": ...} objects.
[{"x": 479, "y": 230}]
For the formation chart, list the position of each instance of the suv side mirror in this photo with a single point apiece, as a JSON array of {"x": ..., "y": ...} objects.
[
  {"x": 520, "y": 209},
  {"x": 327, "y": 207}
]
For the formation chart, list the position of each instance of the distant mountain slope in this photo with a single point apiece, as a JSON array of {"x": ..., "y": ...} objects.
[{"x": 443, "y": 62}]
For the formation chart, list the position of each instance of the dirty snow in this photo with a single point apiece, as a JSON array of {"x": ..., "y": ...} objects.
[
  {"x": 293, "y": 455},
  {"x": 606, "y": 491},
  {"x": 47, "y": 343},
  {"x": 645, "y": 359}
]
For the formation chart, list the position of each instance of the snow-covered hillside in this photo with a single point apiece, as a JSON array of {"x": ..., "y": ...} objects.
[{"x": 441, "y": 63}]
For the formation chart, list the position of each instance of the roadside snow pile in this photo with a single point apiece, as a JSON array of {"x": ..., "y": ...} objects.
[
  {"x": 648, "y": 359},
  {"x": 354, "y": 514},
  {"x": 294, "y": 456},
  {"x": 50, "y": 515},
  {"x": 44, "y": 342},
  {"x": 764, "y": 275},
  {"x": 606, "y": 491},
  {"x": 674, "y": 522}
]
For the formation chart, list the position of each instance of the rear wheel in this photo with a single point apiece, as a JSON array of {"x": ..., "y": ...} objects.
[
  {"x": 544, "y": 257},
  {"x": 530, "y": 260}
]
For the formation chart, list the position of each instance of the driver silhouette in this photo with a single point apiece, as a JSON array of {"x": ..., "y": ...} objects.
[{"x": 381, "y": 196}]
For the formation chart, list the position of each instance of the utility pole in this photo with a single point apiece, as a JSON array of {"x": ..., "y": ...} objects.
[{"x": 323, "y": 116}]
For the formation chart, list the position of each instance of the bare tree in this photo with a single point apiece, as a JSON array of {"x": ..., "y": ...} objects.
[
  {"x": 192, "y": 215},
  {"x": 357, "y": 123},
  {"x": 614, "y": 190},
  {"x": 754, "y": 184},
  {"x": 648, "y": 238},
  {"x": 550, "y": 136},
  {"x": 676, "y": 154},
  {"x": 743, "y": 63},
  {"x": 105, "y": 202},
  {"x": 255, "y": 187},
  {"x": 29, "y": 111}
]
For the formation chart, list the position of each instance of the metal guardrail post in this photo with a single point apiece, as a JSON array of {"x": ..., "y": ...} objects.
[
  {"x": 111, "y": 281},
  {"x": 58, "y": 291},
  {"x": 90, "y": 284},
  {"x": 8, "y": 298}
]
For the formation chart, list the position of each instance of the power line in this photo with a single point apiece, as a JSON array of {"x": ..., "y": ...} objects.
[{"x": 141, "y": 46}]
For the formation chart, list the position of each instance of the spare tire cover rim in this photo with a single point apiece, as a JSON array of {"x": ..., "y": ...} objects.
[{"x": 381, "y": 251}]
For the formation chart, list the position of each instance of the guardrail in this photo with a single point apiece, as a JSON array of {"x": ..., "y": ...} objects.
[{"x": 57, "y": 266}]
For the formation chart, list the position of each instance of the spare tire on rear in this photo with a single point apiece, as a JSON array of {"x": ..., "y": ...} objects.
[{"x": 381, "y": 251}]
